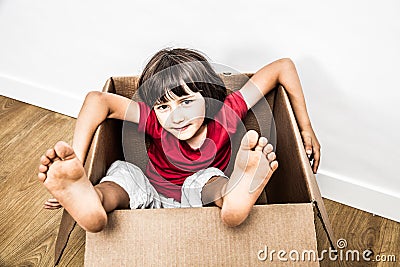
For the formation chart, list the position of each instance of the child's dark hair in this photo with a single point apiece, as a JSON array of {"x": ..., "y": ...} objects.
[{"x": 169, "y": 68}]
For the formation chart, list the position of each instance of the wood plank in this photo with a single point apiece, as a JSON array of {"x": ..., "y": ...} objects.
[
  {"x": 390, "y": 245},
  {"x": 28, "y": 231},
  {"x": 362, "y": 231}
]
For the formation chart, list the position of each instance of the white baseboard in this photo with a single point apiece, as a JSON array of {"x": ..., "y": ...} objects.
[
  {"x": 37, "y": 95},
  {"x": 358, "y": 195}
]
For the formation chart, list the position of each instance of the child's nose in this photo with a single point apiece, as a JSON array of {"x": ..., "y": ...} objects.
[{"x": 177, "y": 115}]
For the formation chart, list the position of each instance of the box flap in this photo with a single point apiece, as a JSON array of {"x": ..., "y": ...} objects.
[
  {"x": 66, "y": 226},
  {"x": 306, "y": 168},
  {"x": 67, "y": 223},
  {"x": 109, "y": 86},
  {"x": 197, "y": 237},
  {"x": 125, "y": 86},
  {"x": 287, "y": 184}
]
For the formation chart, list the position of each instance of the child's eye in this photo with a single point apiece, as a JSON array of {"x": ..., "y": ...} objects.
[
  {"x": 162, "y": 107},
  {"x": 187, "y": 101}
]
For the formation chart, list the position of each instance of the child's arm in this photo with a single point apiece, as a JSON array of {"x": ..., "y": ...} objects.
[
  {"x": 97, "y": 107},
  {"x": 284, "y": 72}
]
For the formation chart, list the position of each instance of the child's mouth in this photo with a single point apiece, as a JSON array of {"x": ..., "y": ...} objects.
[{"x": 181, "y": 129}]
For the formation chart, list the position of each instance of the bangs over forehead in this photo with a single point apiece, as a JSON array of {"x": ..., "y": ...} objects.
[
  {"x": 176, "y": 81},
  {"x": 174, "y": 94}
]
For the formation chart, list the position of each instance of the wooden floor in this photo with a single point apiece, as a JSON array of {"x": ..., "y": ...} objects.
[{"x": 28, "y": 232}]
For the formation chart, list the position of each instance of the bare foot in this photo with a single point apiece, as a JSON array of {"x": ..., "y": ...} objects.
[
  {"x": 254, "y": 166},
  {"x": 63, "y": 175}
]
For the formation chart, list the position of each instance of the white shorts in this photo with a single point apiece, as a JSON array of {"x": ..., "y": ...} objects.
[{"x": 142, "y": 195}]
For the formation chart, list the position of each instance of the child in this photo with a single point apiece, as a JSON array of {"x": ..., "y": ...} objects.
[{"x": 189, "y": 118}]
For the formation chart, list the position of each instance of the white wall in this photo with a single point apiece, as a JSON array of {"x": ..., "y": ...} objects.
[{"x": 53, "y": 52}]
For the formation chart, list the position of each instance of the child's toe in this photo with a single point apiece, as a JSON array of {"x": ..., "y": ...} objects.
[
  {"x": 41, "y": 176},
  {"x": 63, "y": 150},
  {"x": 271, "y": 156},
  {"x": 249, "y": 140},
  {"x": 44, "y": 160},
  {"x": 43, "y": 168},
  {"x": 262, "y": 142},
  {"x": 268, "y": 149},
  {"x": 50, "y": 154},
  {"x": 274, "y": 165}
]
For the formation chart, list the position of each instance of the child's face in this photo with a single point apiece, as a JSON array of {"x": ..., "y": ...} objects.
[{"x": 182, "y": 116}]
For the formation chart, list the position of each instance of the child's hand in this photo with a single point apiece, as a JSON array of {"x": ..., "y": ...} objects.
[
  {"x": 52, "y": 204},
  {"x": 312, "y": 147}
]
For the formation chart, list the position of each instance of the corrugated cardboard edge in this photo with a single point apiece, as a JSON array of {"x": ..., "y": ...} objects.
[
  {"x": 67, "y": 225},
  {"x": 133, "y": 232},
  {"x": 310, "y": 177}
]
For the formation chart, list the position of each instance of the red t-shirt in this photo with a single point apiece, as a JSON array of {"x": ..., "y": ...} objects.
[{"x": 172, "y": 160}]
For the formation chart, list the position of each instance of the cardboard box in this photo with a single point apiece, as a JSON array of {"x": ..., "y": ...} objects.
[{"x": 290, "y": 222}]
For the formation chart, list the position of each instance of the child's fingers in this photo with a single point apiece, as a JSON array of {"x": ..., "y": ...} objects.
[
  {"x": 49, "y": 207},
  {"x": 316, "y": 161},
  {"x": 47, "y": 203},
  {"x": 52, "y": 203},
  {"x": 52, "y": 200},
  {"x": 308, "y": 145}
]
